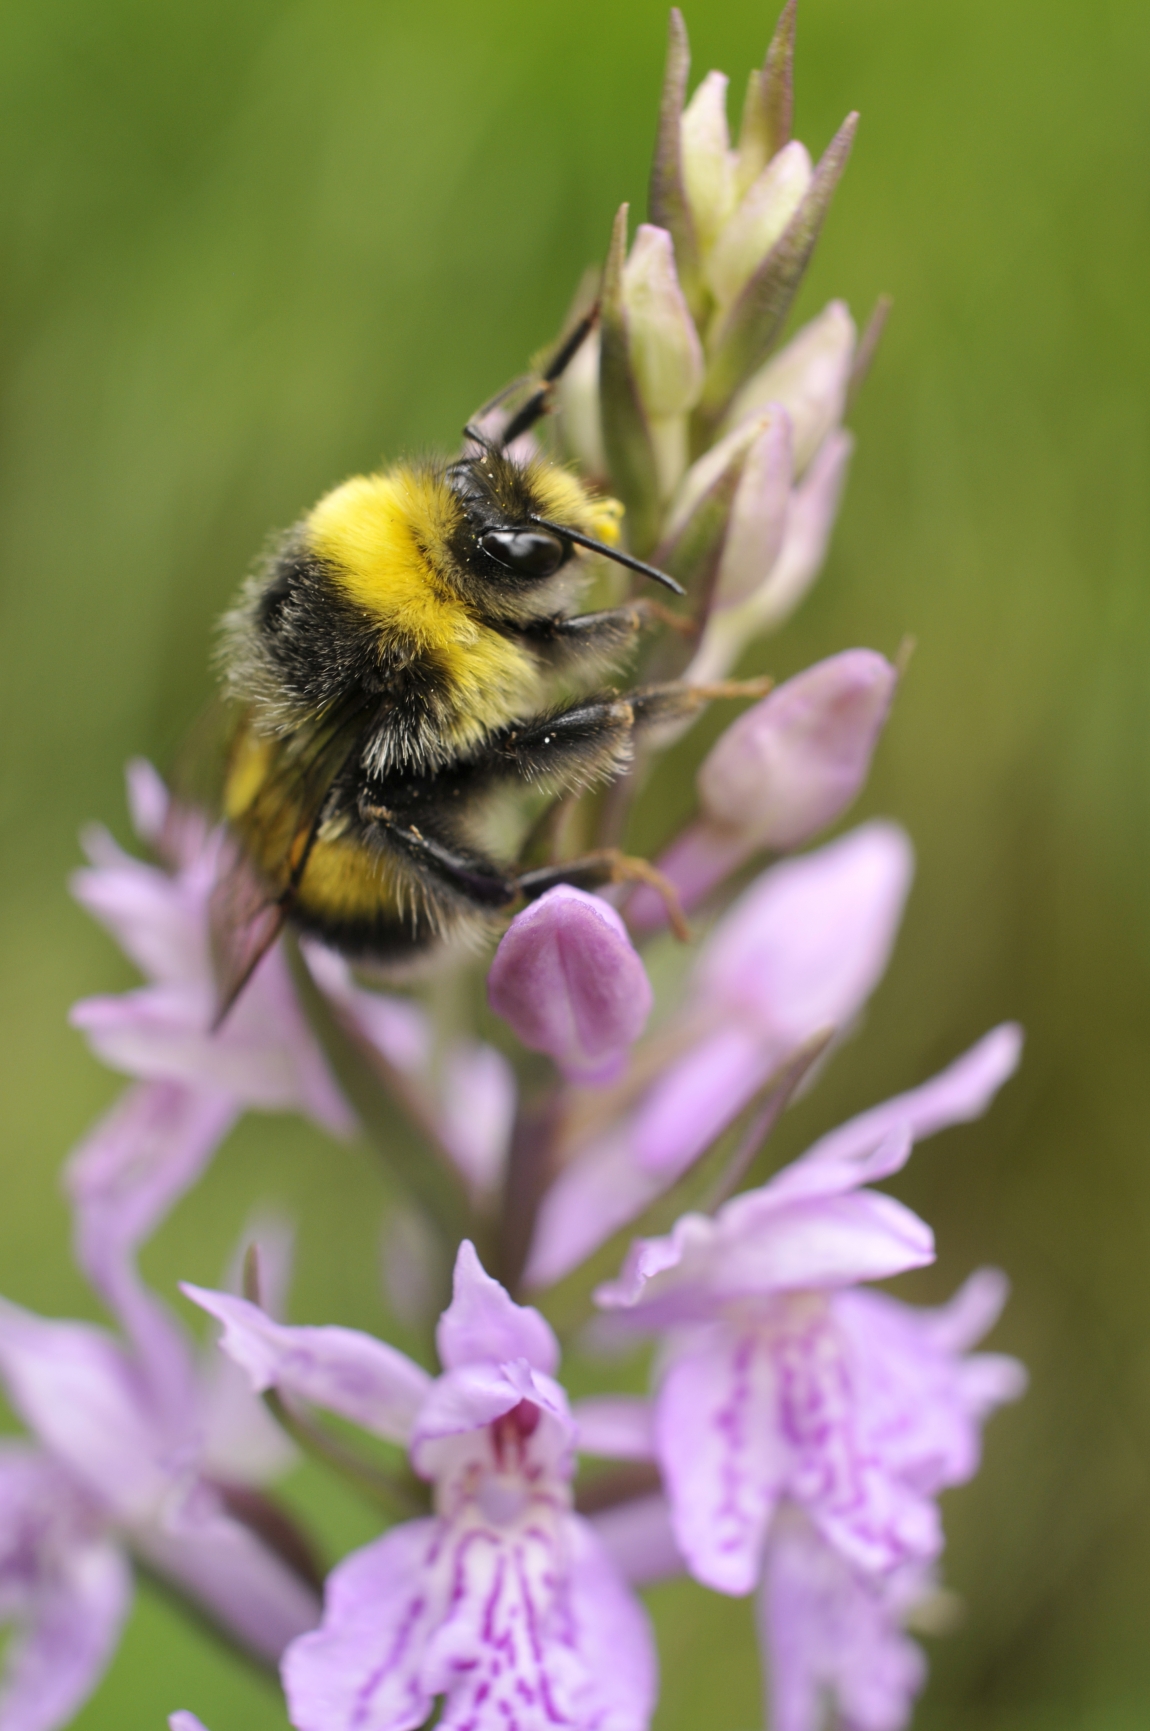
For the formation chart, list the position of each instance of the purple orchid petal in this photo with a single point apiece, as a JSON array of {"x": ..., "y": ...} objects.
[
  {"x": 798, "y": 954},
  {"x": 695, "y": 1099},
  {"x": 723, "y": 1462},
  {"x": 148, "y": 799},
  {"x": 809, "y": 377},
  {"x": 640, "y": 1540},
  {"x": 182, "y": 1720},
  {"x": 64, "y": 1589},
  {"x": 242, "y": 1584},
  {"x": 609, "y": 1629},
  {"x": 791, "y": 765},
  {"x": 787, "y": 768},
  {"x": 265, "y": 1054},
  {"x": 810, "y": 520},
  {"x": 826, "y": 1630},
  {"x": 805, "y": 946},
  {"x": 156, "y": 919},
  {"x": 921, "y": 1404},
  {"x": 240, "y": 1441},
  {"x": 569, "y": 982},
  {"x": 77, "y": 1390},
  {"x": 471, "y": 1398},
  {"x": 957, "y": 1095},
  {"x": 472, "y": 1104},
  {"x": 973, "y": 1311},
  {"x": 489, "y": 1619},
  {"x": 705, "y": 1266},
  {"x": 483, "y": 1324},
  {"x": 617, "y": 1425},
  {"x": 592, "y": 1198},
  {"x": 361, "y": 1669},
  {"x": 350, "y": 1373},
  {"x": 758, "y": 517},
  {"x": 135, "y": 1165},
  {"x": 122, "y": 1181}
]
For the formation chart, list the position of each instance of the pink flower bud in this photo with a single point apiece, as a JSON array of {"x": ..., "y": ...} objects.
[
  {"x": 792, "y": 764},
  {"x": 569, "y": 983},
  {"x": 809, "y": 377},
  {"x": 782, "y": 772}
]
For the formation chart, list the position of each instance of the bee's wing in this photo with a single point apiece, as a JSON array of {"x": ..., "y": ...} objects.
[{"x": 251, "y": 901}]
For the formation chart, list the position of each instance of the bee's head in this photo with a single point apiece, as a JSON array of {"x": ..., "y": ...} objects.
[{"x": 524, "y": 521}]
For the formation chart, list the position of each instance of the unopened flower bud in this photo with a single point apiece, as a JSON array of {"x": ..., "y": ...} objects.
[
  {"x": 786, "y": 769},
  {"x": 811, "y": 516},
  {"x": 663, "y": 347},
  {"x": 569, "y": 983},
  {"x": 708, "y": 160},
  {"x": 809, "y": 377},
  {"x": 758, "y": 515},
  {"x": 666, "y": 354},
  {"x": 793, "y": 763},
  {"x": 758, "y": 223}
]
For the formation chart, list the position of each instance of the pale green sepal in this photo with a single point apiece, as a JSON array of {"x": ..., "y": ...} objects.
[
  {"x": 667, "y": 201},
  {"x": 751, "y": 325},
  {"x": 627, "y": 442},
  {"x": 769, "y": 109}
]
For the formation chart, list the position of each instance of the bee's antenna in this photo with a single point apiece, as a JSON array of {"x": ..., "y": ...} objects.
[
  {"x": 614, "y": 553},
  {"x": 540, "y": 401}
]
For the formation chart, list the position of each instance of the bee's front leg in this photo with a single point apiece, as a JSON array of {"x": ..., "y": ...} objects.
[{"x": 586, "y": 639}]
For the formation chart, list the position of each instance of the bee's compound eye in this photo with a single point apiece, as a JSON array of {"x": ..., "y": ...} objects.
[{"x": 527, "y": 552}]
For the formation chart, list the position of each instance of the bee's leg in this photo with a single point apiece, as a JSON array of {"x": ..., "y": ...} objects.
[
  {"x": 473, "y": 877},
  {"x": 608, "y": 865},
  {"x": 656, "y": 705},
  {"x": 565, "y": 642}
]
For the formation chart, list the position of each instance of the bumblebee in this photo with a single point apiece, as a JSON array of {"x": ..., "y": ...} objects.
[{"x": 391, "y": 667}]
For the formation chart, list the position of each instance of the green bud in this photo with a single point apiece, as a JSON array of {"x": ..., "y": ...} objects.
[{"x": 663, "y": 346}]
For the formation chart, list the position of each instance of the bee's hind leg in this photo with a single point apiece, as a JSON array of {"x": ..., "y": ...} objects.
[{"x": 607, "y": 865}]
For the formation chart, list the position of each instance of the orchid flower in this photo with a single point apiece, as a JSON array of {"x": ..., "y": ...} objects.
[
  {"x": 780, "y": 1383},
  {"x": 140, "y": 1451},
  {"x": 503, "y": 1602},
  {"x": 796, "y": 956}
]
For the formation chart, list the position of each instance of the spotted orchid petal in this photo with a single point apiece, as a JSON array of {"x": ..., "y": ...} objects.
[{"x": 829, "y": 1630}]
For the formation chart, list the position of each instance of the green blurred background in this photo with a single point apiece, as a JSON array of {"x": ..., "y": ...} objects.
[{"x": 248, "y": 248}]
